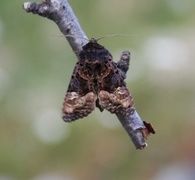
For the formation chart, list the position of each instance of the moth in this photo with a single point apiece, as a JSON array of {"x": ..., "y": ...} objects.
[{"x": 97, "y": 81}]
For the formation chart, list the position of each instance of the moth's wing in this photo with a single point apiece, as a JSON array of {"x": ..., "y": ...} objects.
[
  {"x": 79, "y": 100},
  {"x": 114, "y": 95},
  {"x": 119, "y": 101},
  {"x": 76, "y": 106}
]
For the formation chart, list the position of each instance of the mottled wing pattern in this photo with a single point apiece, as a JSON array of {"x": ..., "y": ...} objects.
[
  {"x": 97, "y": 81},
  {"x": 79, "y": 100},
  {"x": 114, "y": 95},
  {"x": 119, "y": 101}
]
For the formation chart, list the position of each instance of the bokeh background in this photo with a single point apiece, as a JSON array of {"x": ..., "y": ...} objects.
[{"x": 36, "y": 64}]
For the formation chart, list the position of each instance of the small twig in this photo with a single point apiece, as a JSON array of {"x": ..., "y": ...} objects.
[{"x": 61, "y": 13}]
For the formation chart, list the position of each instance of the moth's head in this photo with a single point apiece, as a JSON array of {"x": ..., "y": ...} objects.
[
  {"x": 92, "y": 46},
  {"x": 93, "y": 40}
]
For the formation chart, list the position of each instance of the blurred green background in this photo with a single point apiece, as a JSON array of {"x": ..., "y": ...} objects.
[{"x": 35, "y": 68}]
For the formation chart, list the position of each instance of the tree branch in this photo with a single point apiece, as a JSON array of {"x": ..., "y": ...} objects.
[{"x": 62, "y": 14}]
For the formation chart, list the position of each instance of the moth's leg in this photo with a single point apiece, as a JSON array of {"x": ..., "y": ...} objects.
[{"x": 123, "y": 63}]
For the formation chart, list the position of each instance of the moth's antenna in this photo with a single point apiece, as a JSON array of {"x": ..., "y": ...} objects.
[
  {"x": 80, "y": 37},
  {"x": 113, "y": 35}
]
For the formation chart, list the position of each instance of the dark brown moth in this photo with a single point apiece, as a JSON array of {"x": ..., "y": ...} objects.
[{"x": 97, "y": 81}]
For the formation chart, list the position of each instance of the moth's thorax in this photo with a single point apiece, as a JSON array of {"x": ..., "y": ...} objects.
[{"x": 94, "y": 55}]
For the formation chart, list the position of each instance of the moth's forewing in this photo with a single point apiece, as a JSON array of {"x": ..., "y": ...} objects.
[
  {"x": 119, "y": 101},
  {"x": 114, "y": 95},
  {"x": 79, "y": 100}
]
